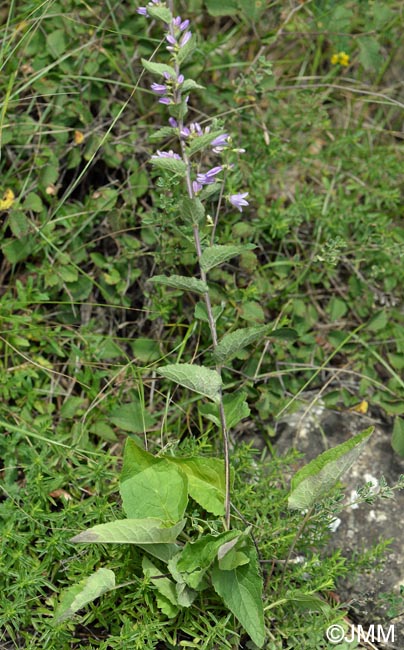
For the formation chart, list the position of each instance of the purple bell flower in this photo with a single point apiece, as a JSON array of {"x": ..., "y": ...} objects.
[{"x": 238, "y": 200}]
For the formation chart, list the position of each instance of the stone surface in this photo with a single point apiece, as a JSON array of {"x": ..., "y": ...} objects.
[{"x": 312, "y": 430}]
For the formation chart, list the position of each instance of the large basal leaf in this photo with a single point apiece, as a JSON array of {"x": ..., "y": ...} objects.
[
  {"x": 215, "y": 255},
  {"x": 199, "y": 379},
  {"x": 181, "y": 282},
  {"x": 206, "y": 481},
  {"x": 131, "y": 531},
  {"x": 159, "y": 491},
  {"x": 165, "y": 587},
  {"x": 135, "y": 460},
  {"x": 84, "y": 592},
  {"x": 237, "y": 340},
  {"x": 241, "y": 591},
  {"x": 315, "y": 480},
  {"x": 196, "y": 558}
]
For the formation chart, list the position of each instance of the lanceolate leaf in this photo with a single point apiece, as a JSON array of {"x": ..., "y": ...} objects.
[
  {"x": 162, "y": 13},
  {"x": 159, "y": 491},
  {"x": 193, "y": 210},
  {"x": 215, "y": 255},
  {"x": 241, "y": 591},
  {"x": 314, "y": 481},
  {"x": 190, "y": 84},
  {"x": 237, "y": 340},
  {"x": 173, "y": 165},
  {"x": 181, "y": 282},
  {"x": 203, "y": 141},
  {"x": 131, "y": 531},
  {"x": 197, "y": 378},
  {"x": 158, "y": 68},
  {"x": 83, "y": 593}
]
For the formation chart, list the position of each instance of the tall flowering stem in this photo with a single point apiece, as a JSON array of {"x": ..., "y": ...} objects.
[{"x": 172, "y": 92}]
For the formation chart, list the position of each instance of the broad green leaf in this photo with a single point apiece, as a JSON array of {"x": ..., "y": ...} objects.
[
  {"x": 233, "y": 559},
  {"x": 164, "y": 586},
  {"x": 56, "y": 42},
  {"x": 199, "y": 379},
  {"x": 131, "y": 531},
  {"x": 159, "y": 491},
  {"x": 314, "y": 481},
  {"x": 206, "y": 481},
  {"x": 162, "y": 13},
  {"x": 369, "y": 52},
  {"x": 159, "y": 68},
  {"x": 202, "y": 141},
  {"x": 83, "y": 593},
  {"x": 378, "y": 321},
  {"x": 215, "y": 255},
  {"x": 196, "y": 558},
  {"x": 181, "y": 282},
  {"x": 173, "y": 165},
  {"x": 135, "y": 460},
  {"x": 192, "y": 210},
  {"x": 241, "y": 591},
  {"x": 16, "y": 250},
  {"x": 235, "y": 409},
  {"x": 166, "y": 606},
  {"x": 232, "y": 343},
  {"x": 185, "y": 594},
  {"x": 33, "y": 202},
  {"x": 252, "y": 9},
  {"x": 397, "y": 440},
  {"x": 132, "y": 417},
  {"x": 230, "y": 555},
  {"x": 18, "y": 223},
  {"x": 146, "y": 350}
]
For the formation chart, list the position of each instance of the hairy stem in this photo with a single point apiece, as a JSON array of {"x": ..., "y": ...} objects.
[{"x": 211, "y": 320}]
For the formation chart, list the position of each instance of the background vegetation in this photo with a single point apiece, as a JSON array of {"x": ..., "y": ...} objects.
[{"x": 85, "y": 223}]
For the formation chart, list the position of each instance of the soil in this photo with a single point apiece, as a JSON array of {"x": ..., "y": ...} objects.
[{"x": 312, "y": 430}]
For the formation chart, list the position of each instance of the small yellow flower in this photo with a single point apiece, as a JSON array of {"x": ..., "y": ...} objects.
[
  {"x": 78, "y": 137},
  {"x": 8, "y": 199},
  {"x": 341, "y": 57}
]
